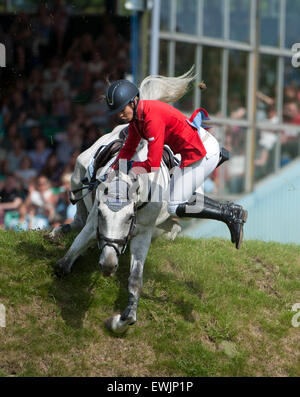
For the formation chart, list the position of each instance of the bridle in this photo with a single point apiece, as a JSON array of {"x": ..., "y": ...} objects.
[{"x": 114, "y": 242}]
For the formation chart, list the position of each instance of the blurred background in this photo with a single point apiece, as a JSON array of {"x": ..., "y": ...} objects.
[{"x": 60, "y": 55}]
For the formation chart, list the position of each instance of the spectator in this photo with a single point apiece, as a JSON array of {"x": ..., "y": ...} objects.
[
  {"x": 96, "y": 66},
  {"x": 27, "y": 219},
  {"x": 54, "y": 78},
  {"x": 290, "y": 93},
  {"x": 83, "y": 45},
  {"x": 40, "y": 153},
  {"x": 63, "y": 199},
  {"x": 11, "y": 196},
  {"x": 17, "y": 106},
  {"x": 235, "y": 168},
  {"x": 42, "y": 27},
  {"x": 21, "y": 87},
  {"x": 91, "y": 136},
  {"x": 96, "y": 109},
  {"x": 12, "y": 134},
  {"x": 109, "y": 47},
  {"x": 60, "y": 18},
  {"x": 87, "y": 47},
  {"x": 69, "y": 167},
  {"x": 26, "y": 174},
  {"x": 42, "y": 198},
  {"x": 69, "y": 142},
  {"x": 76, "y": 74},
  {"x": 35, "y": 80},
  {"x": 23, "y": 220},
  {"x": 37, "y": 105},
  {"x": 80, "y": 116},
  {"x": 35, "y": 133},
  {"x": 21, "y": 64},
  {"x": 267, "y": 141},
  {"x": 15, "y": 156},
  {"x": 53, "y": 169},
  {"x": 21, "y": 31},
  {"x": 60, "y": 107},
  {"x": 291, "y": 113}
]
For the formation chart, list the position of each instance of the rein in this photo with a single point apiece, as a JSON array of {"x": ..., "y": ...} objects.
[{"x": 87, "y": 185}]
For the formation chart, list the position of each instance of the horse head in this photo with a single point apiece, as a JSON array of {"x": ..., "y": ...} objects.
[{"x": 117, "y": 210}]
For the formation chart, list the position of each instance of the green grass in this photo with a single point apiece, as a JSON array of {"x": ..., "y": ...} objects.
[{"x": 206, "y": 310}]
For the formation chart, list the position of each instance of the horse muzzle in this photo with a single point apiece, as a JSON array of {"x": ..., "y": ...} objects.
[{"x": 109, "y": 261}]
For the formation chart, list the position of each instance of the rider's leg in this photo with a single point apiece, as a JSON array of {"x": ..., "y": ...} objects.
[
  {"x": 192, "y": 177},
  {"x": 219, "y": 205}
]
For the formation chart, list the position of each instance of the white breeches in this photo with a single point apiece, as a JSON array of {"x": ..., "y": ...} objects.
[{"x": 185, "y": 181}]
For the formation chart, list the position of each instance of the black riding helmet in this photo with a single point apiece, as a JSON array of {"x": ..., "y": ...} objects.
[{"x": 119, "y": 94}]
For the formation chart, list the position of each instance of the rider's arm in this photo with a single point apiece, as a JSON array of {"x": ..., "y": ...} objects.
[
  {"x": 153, "y": 131},
  {"x": 129, "y": 148}
]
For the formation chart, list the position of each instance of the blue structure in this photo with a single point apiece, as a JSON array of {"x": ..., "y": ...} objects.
[{"x": 274, "y": 211}]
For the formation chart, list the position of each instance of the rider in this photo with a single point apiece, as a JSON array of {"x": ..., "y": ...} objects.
[{"x": 160, "y": 123}]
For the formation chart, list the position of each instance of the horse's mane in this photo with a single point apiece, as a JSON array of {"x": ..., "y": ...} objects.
[{"x": 166, "y": 89}]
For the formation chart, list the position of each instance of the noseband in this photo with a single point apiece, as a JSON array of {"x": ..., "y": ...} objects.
[{"x": 114, "y": 242}]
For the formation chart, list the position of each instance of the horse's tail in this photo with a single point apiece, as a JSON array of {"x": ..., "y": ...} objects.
[{"x": 166, "y": 89}]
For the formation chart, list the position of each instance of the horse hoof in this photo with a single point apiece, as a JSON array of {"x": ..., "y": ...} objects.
[
  {"x": 59, "y": 231},
  {"x": 129, "y": 315},
  {"x": 60, "y": 269},
  {"x": 116, "y": 325}
]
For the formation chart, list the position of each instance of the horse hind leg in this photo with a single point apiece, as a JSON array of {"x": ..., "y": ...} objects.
[{"x": 168, "y": 229}]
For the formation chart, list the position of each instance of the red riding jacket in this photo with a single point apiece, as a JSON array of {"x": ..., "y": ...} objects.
[{"x": 160, "y": 123}]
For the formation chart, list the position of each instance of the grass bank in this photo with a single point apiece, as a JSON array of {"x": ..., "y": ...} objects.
[{"x": 206, "y": 310}]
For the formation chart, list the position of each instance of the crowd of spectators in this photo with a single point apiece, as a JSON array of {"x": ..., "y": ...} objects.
[
  {"x": 51, "y": 111},
  {"x": 234, "y": 140}
]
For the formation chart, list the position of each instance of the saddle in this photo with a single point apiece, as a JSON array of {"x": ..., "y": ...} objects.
[{"x": 107, "y": 152}]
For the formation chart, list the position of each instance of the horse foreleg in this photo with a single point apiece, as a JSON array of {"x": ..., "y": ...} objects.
[
  {"x": 139, "y": 249},
  {"x": 84, "y": 240},
  {"x": 81, "y": 212},
  {"x": 77, "y": 224}
]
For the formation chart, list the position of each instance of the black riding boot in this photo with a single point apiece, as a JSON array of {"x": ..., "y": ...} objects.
[
  {"x": 234, "y": 207},
  {"x": 232, "y": 214}
]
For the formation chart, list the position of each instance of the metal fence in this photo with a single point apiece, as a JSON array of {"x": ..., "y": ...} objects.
[{"x": 243, "y": 51}]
